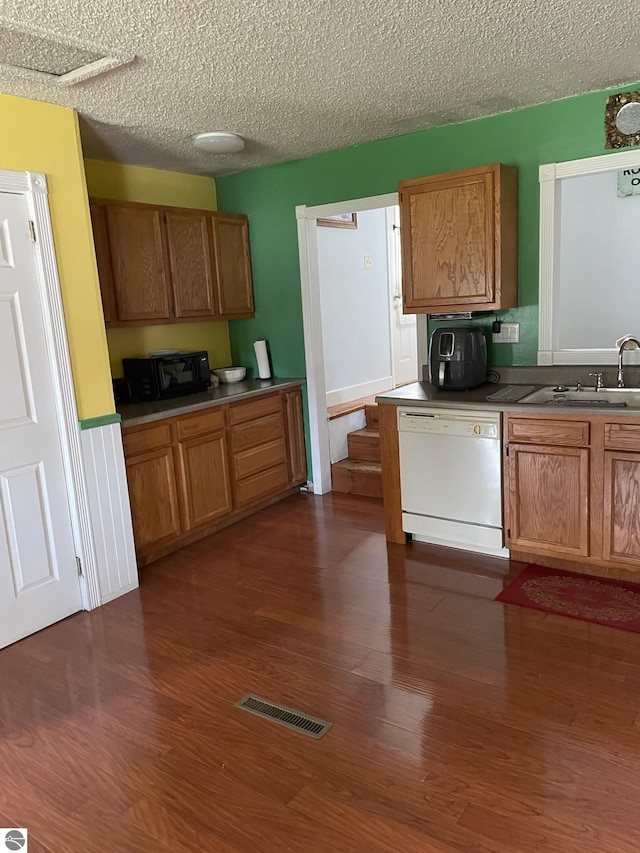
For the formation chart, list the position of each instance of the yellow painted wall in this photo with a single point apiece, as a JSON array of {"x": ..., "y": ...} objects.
[
  {"x": 157, "y": 186},
  {"x": 41, "y": 137},
  {"x": 150, "y": 186}
]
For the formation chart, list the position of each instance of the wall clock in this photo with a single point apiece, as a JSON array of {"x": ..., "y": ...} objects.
[{"x": 622, "y": 120}]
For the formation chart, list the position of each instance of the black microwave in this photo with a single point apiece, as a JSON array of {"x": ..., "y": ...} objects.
[{"x": 162, "y": 376}]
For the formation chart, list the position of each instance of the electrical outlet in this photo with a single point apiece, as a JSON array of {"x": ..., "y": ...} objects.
[
  {"x": 509, "y": 334},
  {"x": 367, "y": 262}
]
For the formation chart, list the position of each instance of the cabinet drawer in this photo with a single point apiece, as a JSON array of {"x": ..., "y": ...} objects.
[
  {"x": 258, "y": 486},
  {"x": 257, "y": 432},
  {"x": 141, "y": 440},
  {"x": 255, "y": 409},
  {"x": 259, "y": 459},
  {"x": 565, "y": 433},
  {"x": 622, "y": 436},
  {"x": 200, "y": 424}
]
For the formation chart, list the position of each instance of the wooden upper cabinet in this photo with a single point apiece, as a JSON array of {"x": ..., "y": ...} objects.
[
  {"x": 138, "y": 259},
  {"x": 233, "y": 264},
  {"x": 190, "y": 264},
  {"x": 103, "y": 260},
  {"x": 170, "y": 264},
  {"x": 459, "y": 240}
]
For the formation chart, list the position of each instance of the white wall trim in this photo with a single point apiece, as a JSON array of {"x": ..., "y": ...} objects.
[
  {"x": 110, "y": 511},
  {"x": 364, "y": 389},
  {"x": 312, "y": 325},
  {"x": 389, "y": 222},
  {"x": 33, "y": 186},
  {"x": 550, "y": 175}
]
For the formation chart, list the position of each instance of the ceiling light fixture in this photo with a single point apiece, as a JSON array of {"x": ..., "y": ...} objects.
[{"x": 218, "y": 142}]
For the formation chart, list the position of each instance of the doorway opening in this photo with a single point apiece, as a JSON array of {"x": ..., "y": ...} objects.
[{"x": 357, "y": 341}]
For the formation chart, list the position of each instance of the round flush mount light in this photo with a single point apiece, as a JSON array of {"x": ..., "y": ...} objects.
[{"x": 218, "y": 142}]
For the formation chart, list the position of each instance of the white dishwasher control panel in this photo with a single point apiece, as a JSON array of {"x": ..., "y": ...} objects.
[{"x": 450, "y": 422}]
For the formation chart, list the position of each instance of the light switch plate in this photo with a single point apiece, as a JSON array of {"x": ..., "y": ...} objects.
[{"x": 509, "y": 334}]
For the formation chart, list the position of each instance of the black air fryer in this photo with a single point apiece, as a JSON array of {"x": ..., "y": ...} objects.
[{"x": 458, "y": 358}]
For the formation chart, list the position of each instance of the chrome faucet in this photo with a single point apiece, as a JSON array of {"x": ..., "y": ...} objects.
[{"x": 628, "y": 339}]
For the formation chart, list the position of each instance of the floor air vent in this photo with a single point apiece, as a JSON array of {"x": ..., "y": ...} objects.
[{"x": 299, "y": 722}]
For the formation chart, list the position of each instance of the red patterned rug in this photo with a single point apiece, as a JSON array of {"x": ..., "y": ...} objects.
[{"x": 605, "y": 602}]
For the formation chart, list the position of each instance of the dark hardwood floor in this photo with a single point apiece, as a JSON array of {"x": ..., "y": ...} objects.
[{"x": 459, "y": 723}]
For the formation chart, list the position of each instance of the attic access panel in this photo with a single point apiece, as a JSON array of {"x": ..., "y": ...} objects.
[{"x": 39, "y": 56}]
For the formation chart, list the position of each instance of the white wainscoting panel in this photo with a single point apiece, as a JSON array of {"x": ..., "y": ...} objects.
[{"x": 109, "y": 510}]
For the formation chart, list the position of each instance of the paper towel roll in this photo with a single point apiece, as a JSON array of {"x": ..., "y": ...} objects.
[{"x": 262, "y": 357}]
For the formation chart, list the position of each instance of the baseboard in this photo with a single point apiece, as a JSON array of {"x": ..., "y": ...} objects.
[
  {"x": 355, "y": 392},
  {"x": 154, "y": 552}
]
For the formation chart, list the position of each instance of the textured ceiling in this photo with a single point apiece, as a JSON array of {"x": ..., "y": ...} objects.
[{"x": 296, "y": 78}]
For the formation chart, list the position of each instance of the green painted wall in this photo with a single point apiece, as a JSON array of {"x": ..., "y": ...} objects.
[{"x": 552, "y": 132}]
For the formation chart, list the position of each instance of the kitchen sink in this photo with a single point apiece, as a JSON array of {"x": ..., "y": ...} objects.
[{"x": 587, "y": 398}]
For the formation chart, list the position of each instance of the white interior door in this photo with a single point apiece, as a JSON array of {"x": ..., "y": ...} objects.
[
  {"x": 404, "y": 344},
  {"x": 38, "y": 576}
]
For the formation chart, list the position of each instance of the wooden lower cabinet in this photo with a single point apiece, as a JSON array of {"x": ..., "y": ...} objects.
[
  {"x": 205, "y": 482},
  {"x": 153, "y": 496},
  {"x": 549, "y": 498},
  {"x": 258, "y": 446},
  {"x": 191, "y": 474},
  {"x": 572, "y": 492},
  {"x": 621, "y": 540},
  {"x": 295, "y": 436}
]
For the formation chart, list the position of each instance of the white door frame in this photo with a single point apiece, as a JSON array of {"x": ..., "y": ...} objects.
[
  {"x": 33, "y": 186},
  {"x": 312, "y": 324}
]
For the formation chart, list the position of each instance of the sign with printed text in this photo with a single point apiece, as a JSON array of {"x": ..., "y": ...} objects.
[
  {"x": 12, "y": 838},
  {"x": 629, "y": 182}
]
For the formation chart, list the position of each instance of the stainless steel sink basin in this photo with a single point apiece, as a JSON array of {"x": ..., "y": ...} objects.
[{"x": 588, "y": 398}]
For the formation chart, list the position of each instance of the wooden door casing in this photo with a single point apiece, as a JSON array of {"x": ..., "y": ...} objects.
[{"x": 548, "y": 494}]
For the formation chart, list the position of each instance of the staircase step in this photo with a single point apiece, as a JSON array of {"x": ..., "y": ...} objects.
[
  {"x": 357, "y": 478},
  {"x": 364, "y": 445},
  {"x": 371, "y": 416}
]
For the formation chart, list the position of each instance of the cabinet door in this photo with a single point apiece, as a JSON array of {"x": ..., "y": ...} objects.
[
  {"x": 448, "y": 250},
  {"x": 548, "y": 493},
  {"x": 190, "y": 260},
  {"x": 459, "y": 235},
  {"x": 103, "y": 260},
  {"x": 205, "y": 482},
  {"x": 137, "y": 253},
  {"x": 295, "y": 436},
  {"x": 153, "y": 496},
  {"x": 621, "y": 540},
  {"x": 233, "y": 264}
]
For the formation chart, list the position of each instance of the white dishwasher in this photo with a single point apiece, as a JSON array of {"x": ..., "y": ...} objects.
[{"x": 451, "y": 478}]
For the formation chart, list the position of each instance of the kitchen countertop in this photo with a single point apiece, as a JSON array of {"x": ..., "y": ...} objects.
[
  {"x": 133, "y": 414},
  {"x": 425, "y": 394}
]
